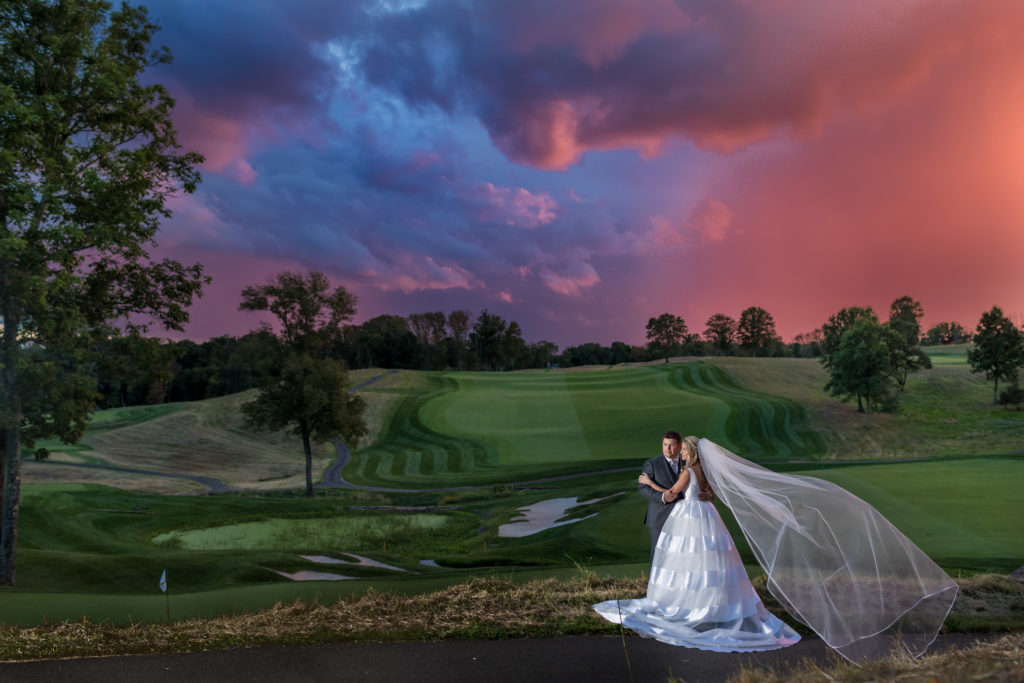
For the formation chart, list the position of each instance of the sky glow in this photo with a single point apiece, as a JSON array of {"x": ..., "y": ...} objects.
[{"x": 582, "y": 166}]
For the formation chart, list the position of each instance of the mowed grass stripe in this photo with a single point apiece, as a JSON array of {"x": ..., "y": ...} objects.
[
  {"x": 409, "y": 451},
  {"x": 759, "y": 425},
  {"x": 525, "y": 418},
  {"x": 625, "y": 411},
  {"x": 495, "y": 427}
]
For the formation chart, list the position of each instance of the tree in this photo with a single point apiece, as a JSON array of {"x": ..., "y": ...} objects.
[
  {"x": 377, "y": 341},
  {"x": 513, "y": 346},
  {"x": 832, "y": 332},
  {"x": 756, "y": 330},
  {"x": 619, "y": 352},
  {"x": 946, "y": 333},
  {"x": 541, "y": 353},
  {"x": 308, "y": 397},
  {"x": 720, "y": 332},
  {"x": 665, "y": 333},
  {"x": 807, "y": 344},
  {"x": 1013, "y": 395},
  {"x": 998, "y": 349},
  {"x": 130, "y": 366},
  {"x": 907, "y": 356},
  {"x": 88, "y": 156},
  {"x": 487, "y": 339},
  {"x": 862, "y": 365},
  {"x": 458, "y": 327}
]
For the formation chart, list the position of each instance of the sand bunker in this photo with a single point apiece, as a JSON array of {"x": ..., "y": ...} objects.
[
  {"x": 544, "y": 515},
  {"x": 362, "y": 561},
  {"x": 314, "y": 576}
]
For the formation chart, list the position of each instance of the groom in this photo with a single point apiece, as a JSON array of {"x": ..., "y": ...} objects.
[{"x": 664, "y": 470}]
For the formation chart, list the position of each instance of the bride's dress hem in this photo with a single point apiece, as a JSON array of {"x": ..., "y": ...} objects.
[{"x": 699, "y": 595}]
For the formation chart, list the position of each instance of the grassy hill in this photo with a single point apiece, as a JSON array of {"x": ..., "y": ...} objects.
[
  {"x": 487, "y": 428},
  {"x": 963, "y": 505}
]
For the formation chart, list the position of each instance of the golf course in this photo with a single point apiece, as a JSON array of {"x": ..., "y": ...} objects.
[{"x": 466, "y": 452}]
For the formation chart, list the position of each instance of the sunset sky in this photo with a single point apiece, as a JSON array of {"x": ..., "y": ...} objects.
[{"x": 581, "y": 166}]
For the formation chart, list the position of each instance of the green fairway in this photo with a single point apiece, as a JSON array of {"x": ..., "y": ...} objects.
[
  {"x": 948, "y": 354},
  {"x": 481, "y": 428},
  {"x": 965, "y": 513}
]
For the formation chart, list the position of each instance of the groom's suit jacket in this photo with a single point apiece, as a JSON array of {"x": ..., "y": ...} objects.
[{"x": 657, "y": 512}]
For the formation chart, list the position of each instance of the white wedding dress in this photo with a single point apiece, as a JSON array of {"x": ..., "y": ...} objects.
[
  {"x": 832, "y": 560},
  {"x": 699, "y": 595}
]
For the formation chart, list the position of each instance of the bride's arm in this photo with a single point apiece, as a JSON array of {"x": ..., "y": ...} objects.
[
  {"x": 647, "y": 481},
  {"x": 677, "y": 488},
  {"x": 681, "y": 482}
]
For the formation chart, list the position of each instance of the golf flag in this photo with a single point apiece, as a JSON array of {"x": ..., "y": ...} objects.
[{"x": 163, "y": 581}]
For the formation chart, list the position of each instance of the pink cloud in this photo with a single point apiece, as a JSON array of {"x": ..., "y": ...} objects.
[
  {"x": 515, "y": 206},
  {"x": 918, "y": 198},
  {"x": 572, "y": 281},
  {"x": 711, "y": 220},
  {"x": 424, "y": 273},
  {"x": 599, "y": 31},
  {"x": 222, "y": 140},
  {"x": 664, "y": 234},
  {"x": 722, "y": 75}
]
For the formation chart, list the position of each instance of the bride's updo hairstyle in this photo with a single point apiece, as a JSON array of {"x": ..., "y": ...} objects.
[{"x": 690, "y": 446}]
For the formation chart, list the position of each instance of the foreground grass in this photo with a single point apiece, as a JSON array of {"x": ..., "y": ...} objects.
[
  {"x": 1001, "y": 660},
  {"x": 481, "y": 608}
]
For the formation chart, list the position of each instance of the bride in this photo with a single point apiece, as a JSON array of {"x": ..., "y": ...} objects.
[{"x": 832, "y": 561}]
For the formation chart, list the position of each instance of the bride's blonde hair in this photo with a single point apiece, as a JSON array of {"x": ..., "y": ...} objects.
[{"x": 690, "y": 446}]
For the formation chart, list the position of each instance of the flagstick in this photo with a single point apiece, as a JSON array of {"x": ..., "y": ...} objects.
[{"x": 168, "y": 592}]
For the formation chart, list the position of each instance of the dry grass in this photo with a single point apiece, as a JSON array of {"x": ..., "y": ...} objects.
[
  {"x": 207, "y": 438},
  {"x": 999, "y": 660},
  {"x": 481, "y": 608},
  {"x": 36, "y": 473},
  {"x": 380, "y": 405}
]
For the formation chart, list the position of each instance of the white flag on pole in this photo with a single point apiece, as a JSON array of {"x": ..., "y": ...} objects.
[{"x": 163, "y": 581}]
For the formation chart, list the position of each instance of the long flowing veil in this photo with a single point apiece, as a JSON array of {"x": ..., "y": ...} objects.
[{"x": 832, "y": 560}]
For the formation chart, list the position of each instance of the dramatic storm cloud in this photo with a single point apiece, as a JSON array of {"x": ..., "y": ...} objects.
[{"x": 583, "y": 166}]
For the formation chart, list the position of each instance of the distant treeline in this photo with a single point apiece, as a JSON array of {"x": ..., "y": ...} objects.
[{"x": 140, "y": 370}]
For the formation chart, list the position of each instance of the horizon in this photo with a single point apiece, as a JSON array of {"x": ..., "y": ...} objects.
[{"x": 582, "y": 167}]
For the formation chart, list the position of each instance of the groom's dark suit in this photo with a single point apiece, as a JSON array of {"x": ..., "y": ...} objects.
[{"x": 660, "y": 471}]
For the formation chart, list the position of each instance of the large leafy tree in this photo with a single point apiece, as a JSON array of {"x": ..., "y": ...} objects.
[
  {"x": 907, "y": 356},
  {"x": 756, "y": 330},
  {"x": 720, "y": 332},
  {"x": 998, "y": 349},
  {"x": 832, "y": 332},
  {"x": 861, "y": 366},
  {"x": 309, "y": 397},
  {"x": 88, "y": 157},
  {"x": 665, "y": 334}
]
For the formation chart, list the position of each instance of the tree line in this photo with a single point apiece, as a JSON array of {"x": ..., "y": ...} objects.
[{"x": 135, "y": 369}]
